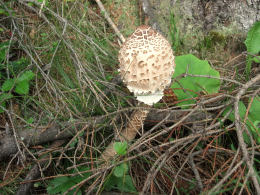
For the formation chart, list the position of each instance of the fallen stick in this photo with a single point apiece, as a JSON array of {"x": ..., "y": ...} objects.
[{"x": 66, "y": 130}]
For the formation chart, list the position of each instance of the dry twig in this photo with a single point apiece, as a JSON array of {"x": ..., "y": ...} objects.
[
  {"x": 111, "y": 23},
  {"x": 239, "y": 131}
]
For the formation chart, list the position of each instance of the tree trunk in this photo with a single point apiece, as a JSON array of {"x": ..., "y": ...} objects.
[{"x": 196, "y": 18}]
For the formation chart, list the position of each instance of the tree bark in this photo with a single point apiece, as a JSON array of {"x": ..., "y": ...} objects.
[{"x": 195, "y": 18}]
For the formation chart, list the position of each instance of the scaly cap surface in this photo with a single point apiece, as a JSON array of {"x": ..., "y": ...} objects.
[{"x": 146, "y": 64}]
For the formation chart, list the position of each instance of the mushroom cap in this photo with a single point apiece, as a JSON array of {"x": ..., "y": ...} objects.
[{"x": 146, "y": 64}]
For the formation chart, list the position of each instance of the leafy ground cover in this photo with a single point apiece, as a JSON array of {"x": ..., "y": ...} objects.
[{"x": 58, "y": 72}]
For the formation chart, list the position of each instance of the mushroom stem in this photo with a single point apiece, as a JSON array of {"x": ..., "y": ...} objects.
[
  {"x": 146, "y": 64},
  {"x": 128, "y": 134}
]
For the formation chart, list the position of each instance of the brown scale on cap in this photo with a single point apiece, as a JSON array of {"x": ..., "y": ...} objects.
[{"x": 146, "y": 62}]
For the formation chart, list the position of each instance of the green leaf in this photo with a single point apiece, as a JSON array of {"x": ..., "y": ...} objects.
[
  {"x": 253, "y": 117},
  {"x": 242, "y": 112},
  {"x": 26, "y": 76},
  {"x": 121, "y": 170},
  {"x": 79, "y": 178},
  {"x": 257, "y": 59},
  {"x": 5, "y": 96},
  {"x": 3, "y": 50},
  {"x": 60, "y": 185},
  {"x": 4, "y": 12},
  {"x": 233, "y": 147},
  {"x": 252, "y": 41},
  {"x": 46, "y": 2},
  {"x": 254, "y": 112},
  {"x": 8, "y": 85},
  {"x": 126, "y": 184},
  {"x": 22, "y": 88},
  {"x": 30, "y": 120},
  {"x": 120, "y": 147},
  {"x": 241, "y": 108},
  {"x": 111, "y": 182},
  {"x": 44, "y": 34},
  {"x": 189, "y": 87},
  {"x": 249, "y": 61},
  {"x": 73, "y": 143},
  {"x": 2, "y": 104},
  {"x": 37, "y": 184},
  {"x": 15, "y": 67},
  {"x": 123, "y": 184}
]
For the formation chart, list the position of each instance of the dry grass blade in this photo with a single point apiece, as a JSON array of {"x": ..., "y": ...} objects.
[{"x": 76, "y": 97}]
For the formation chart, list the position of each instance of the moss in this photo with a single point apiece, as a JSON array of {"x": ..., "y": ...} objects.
[
  {"x": 214, "y": 38},
  {"x": 217, "y": 37}
]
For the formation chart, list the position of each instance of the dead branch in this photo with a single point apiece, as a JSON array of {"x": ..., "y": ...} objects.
[
  {"x": 34, "y": 137},
  {"x": 239, "y": 131},
  {"x": 111, "y": 23},
  {"x": 67, "y": 130},
  {"x": 35, "y": 172}
]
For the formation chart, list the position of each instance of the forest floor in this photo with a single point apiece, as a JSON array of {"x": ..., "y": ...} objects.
[{"x": 62, "y": 103}]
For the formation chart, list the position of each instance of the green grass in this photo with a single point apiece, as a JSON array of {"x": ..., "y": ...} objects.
[{"x": 73, "y": 53}]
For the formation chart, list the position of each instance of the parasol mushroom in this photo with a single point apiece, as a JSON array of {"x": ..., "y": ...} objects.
[{"x": 146, "y": 67}]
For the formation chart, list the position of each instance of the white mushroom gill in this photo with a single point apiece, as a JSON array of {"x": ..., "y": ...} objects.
[{"x": 146, "y": 64}]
